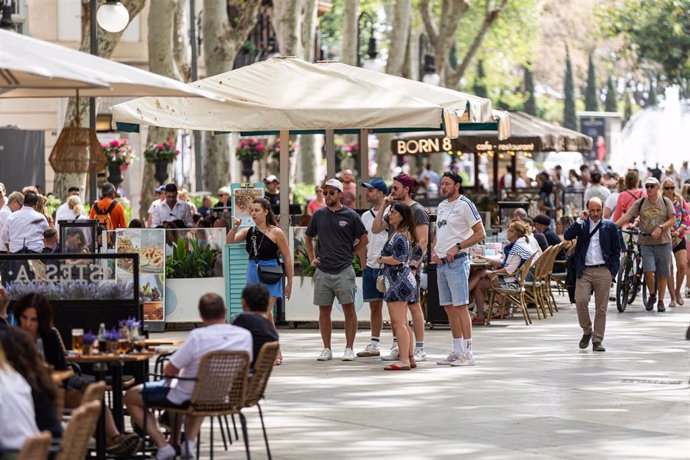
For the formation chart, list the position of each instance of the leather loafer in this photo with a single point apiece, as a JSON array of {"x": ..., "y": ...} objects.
[
  {"x": 597, "y": 346},
  {"x": 584, "y": 341}
]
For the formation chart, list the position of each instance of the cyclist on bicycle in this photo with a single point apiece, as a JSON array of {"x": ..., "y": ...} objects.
[{"x": 657, "y": 217}]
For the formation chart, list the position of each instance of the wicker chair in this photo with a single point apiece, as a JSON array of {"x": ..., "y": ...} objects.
[
  {"x": 94, "y": 392},
  {"x": 36, "y": 447},
  {"x": 549, "y": 278},
  {"x": 220, "y": 389},
  {"x": 535, "y": 290},
  {"x": 512, "y": 296},
  {"x": 79, "y": 430},
  {"x": 263, "y": 366}
]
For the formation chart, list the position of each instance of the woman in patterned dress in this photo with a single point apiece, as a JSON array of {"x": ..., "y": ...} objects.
[
  {"x": 679, "y": 243},
  {"x": 399, "y": 281}
]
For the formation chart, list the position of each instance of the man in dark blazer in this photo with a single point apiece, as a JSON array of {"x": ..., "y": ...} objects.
[{"x": 597, "y": 259}]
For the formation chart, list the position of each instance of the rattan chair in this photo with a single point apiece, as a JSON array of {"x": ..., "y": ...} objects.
[
  {"x": 36, "y": 447},
  {"x": 514, "y": 298},
  {"x": 535, "y": 290},
  {"x": 79, "y": 430},
  {"x": 220, "y": 389},
  {"x": 548, "y": 286},
  {"x": 263, "y": 366}
]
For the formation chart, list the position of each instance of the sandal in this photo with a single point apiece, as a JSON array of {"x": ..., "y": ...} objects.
[
  {"x": 413, "y": 363},
  {"x": 679, "y": 299},
  {"x": 478, "y": 321},
  {"x": 397, "y": 367},
  {"x": 672, "y": 304}
]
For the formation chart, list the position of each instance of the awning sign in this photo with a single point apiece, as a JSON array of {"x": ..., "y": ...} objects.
[{"x": 424, "y": 145}]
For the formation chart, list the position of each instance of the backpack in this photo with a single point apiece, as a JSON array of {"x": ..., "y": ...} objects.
[{"x": 103, "y": 217}]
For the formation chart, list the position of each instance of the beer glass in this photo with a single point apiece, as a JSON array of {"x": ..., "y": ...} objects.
[
  {"x": 123, "y": 346},
  {"x": 78, "y": 340}
]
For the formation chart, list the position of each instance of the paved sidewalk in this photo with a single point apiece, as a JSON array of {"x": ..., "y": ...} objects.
[{"x": 533, "y": 394}]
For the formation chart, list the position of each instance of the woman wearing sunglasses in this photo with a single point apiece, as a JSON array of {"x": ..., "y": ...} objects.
[{"x": 678, "y": 241}]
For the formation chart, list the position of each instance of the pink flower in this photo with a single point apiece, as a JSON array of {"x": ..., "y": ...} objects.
[
  {"x": 160, "y": 146},
  {"x": 260, "y": 148},
  {"x": 123, "y": 167}
]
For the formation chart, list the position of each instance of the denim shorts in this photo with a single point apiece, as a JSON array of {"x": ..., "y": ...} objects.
[
  {"x": 369, "y": 291},
  {"x": 452, "y": 279},
  {"x": 156, "y": 394},
  {"x": 656, "y": 258}
]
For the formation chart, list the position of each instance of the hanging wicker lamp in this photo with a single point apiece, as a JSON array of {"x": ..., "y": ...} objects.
[{"x": 77, "y": 150}]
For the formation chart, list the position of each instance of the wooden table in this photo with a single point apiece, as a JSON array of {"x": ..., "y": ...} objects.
[{"x": 101, "y": 364}]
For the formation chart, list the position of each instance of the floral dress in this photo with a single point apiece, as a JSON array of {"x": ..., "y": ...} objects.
[
  {"x": 682, "y": 224},
  {"x": 398, "y": 279}
]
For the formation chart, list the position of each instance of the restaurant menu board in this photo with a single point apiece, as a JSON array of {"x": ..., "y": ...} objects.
[
  {"x": 150, "y": 244},
  {"x": 242, "y": 197}
]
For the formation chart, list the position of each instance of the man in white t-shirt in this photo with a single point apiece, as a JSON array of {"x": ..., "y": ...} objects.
[
  {"x": 64, "y": 212},
  {"x": 458, "y": 227},
  {"x": 216, "y": 335},
  {"x": 376, "y": 191},
  {"x": 160, "y": 197}
]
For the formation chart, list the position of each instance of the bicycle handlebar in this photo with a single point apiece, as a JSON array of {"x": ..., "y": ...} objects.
[{"x": 635, "y": 231}]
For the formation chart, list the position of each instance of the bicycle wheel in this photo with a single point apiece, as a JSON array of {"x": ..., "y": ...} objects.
[
  {"x": 636, "y": 281},
  {"x": 623, "y": 284}
]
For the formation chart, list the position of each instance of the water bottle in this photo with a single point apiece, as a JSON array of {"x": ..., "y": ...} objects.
[{"x": 101, "y": 338}]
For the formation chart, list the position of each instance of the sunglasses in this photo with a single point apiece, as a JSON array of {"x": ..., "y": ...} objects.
[
  {"x": 669, "y": 188},
  {"x": 648, "y": 186},
  {"x": 330, "y": 192}
]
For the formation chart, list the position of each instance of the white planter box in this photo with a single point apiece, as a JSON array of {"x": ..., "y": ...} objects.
[
  {"x": 182, "y": 297},
  {"x": 300, "y": 307}
]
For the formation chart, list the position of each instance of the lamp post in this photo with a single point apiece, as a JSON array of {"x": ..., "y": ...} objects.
[
  {"x": 113, "y": 17},
  {"x": 6, "y": 21},
  {"x": 371, "y": 63}
]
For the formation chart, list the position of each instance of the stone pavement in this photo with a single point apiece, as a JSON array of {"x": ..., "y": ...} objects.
[{"x": 533, "y": 394}]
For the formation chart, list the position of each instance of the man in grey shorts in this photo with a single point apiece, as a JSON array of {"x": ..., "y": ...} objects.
[
  {"x": 341, "y": 234},
  {"x": 657, "y": 217}
]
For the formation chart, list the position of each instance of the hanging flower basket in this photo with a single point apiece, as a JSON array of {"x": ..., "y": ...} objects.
[
  {"x": 250, "y": 149},
  {"x": 274, "y": 149},
  {"x": 120, "y": 153},
  {"x": 165, "y": 152},
  {"x": 343, "y": 151}
]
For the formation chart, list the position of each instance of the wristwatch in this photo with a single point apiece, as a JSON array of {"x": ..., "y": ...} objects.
[{"x": 458, "y": 245}]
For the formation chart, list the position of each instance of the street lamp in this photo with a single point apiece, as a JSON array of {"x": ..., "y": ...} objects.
[
  {"x": 372, "y": 63},
  {"x": 6, "y": 21},
  {"x": 430, "y": 77},
  {"x": 112, "y": 16}
]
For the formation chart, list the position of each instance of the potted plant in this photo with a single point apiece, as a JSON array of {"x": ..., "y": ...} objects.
[
  {"x": 190, "y": 260},
  {"x": 89, "y": 340},
  {"x": 119, "y": 154},
  {"x": 111, "y": 339},
  {"x": 247, "y": 151},
  {"x": 161, "y": 155},
  {"x": 274, "y": 149}
]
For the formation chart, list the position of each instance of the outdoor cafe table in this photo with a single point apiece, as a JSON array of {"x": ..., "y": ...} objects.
[
  {"x": 101, "y": 364},
  {"x": 163, "y": 342}
]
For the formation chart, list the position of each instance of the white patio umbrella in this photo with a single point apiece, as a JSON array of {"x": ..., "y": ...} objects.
[{"x": 35, "y": 68}]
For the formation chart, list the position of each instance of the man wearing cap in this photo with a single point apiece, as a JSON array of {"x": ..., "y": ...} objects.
[
  {"x": 272, "y": 193},
  {"x": 401, "y": 190},
  {"x": 160, "y": 196},
  {"x": 459, "y": 227},
  {"x": 597, "y": 259},
  {"x": 376, "y": 190},
  {"x": 64, "y": 212},
  {"x": 223, "y": 207},
  {"x": 172, "y": 209},
  {"x": 108, "y": 205},
  {"x": 338, "y": 229},
  {"x": 657, "y": 217}
]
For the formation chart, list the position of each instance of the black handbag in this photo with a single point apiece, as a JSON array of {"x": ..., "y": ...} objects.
[{"x": 268, "y": 274}]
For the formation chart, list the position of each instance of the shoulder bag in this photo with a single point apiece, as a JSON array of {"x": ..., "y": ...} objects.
[{"x": 267, "y": 273}]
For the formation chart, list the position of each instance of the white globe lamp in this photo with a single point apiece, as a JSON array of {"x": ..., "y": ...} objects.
[{"x": 112, "y": 16}]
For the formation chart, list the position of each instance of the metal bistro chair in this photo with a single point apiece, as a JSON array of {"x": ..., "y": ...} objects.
[
  {"x": 36, "y": 447},
  {"x": 220, "y": 389},
  {"x": 515, "y": 295},
  {"x": 81, "y": 427},
  {"x": 263, "y": 366}
]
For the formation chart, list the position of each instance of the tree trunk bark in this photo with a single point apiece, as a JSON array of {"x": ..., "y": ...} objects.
[
  {"x": 350, "y": 32},
  {"x": 161, "y": 41},
  {"x": 307, "y": 143},
  {"x": 226, "y": 24},
  {"x": 106, "y": 44},
  {"x": 287, "y": 19},
  {"x": 182, "y": 51}
]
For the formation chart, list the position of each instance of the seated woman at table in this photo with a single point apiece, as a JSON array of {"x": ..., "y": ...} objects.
[
  {"x": 17, "y": 414},
  {"x": 22, "y": 355},
  {"x": 34, "y": 314},
  {"x": 515, "y": 253}
]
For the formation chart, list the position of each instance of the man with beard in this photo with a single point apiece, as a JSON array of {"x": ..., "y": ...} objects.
[
  {"x": 401, "y": 190},
  {"x": 338, "y": 229},
  {"x": 459, "y": 228}
]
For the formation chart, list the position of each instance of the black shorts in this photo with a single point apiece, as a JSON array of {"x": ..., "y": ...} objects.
[{"x": 683, "y": 245}]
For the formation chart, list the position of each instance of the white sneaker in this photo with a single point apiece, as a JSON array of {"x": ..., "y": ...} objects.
[
  {"x": 349, "y": 355},
  {"x": 167, "y": 452},
  {"x": 188, "y": 451},
  {"x": 419, "y": 354},
  {"x": 449, "y": 360},
  {"x": 467, "y": 359},
  {"x": 326, "y": 355},
  {"x": 394, "y": 354},
  {"x": 369, "y": 351}
]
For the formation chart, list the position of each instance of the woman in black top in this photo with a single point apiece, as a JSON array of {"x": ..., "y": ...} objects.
[
  {"x": 265, "y": 241},
  {"x": 21, "y": 353}
]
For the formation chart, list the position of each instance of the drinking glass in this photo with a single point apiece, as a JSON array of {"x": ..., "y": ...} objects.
[
  {"x": 123, "y": 346},
  {"x": 78, "y": 340}
]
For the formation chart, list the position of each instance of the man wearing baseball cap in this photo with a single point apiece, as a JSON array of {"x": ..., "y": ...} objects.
[
  {"x": 657, "y": 217},
  {"x": 160, "y": 196},
  {"x": 341, "y": 235},
  {"x": 376, "y": 190},
  {"x": 401, "y": 190},
  {"x": 272, "y": 194}
]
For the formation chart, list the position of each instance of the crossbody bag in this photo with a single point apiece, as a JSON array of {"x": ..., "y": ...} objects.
[{"x": 268, "y": 274}]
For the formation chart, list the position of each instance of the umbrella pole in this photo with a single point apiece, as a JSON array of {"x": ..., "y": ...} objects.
[
  {"x": 285, "y": 181},
  {"x": 330, "y": 153},
  {"x": 363, "y": 166},
  {"x": 93, "y": 28}
]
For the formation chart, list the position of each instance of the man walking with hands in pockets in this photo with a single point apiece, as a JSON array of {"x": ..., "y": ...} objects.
[
  {"x": 597, "y": 259},
  {"x": 459, "y": 227},
  {"x": 338, "y": 229}
]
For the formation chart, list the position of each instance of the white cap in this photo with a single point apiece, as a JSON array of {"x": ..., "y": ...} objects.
[{"x": 335, "y": 183}]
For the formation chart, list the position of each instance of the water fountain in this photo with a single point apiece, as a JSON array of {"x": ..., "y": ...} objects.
[{"x": 655, "y": 135}]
